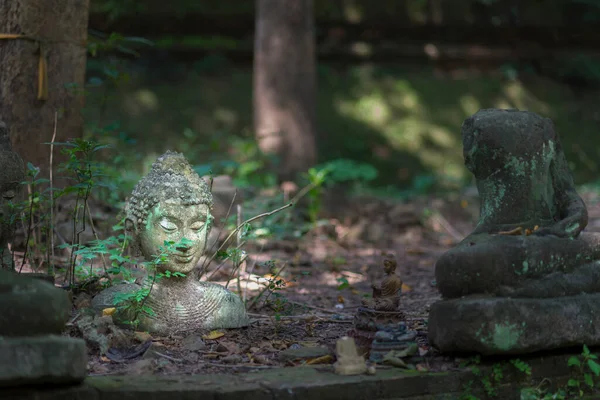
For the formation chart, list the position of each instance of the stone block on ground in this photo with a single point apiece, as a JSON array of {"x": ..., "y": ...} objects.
[
  {"x": 30, "y": 306},
  {"x": 50, "y": 359},
  {"x": 502, "y": 325}
]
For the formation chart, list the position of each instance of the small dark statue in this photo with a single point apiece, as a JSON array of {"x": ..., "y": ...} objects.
[
  {"x": 386, "y": 296},
  {"x": 379, "y": 326}
]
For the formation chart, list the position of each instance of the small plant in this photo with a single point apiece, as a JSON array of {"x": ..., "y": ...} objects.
[
  {"x": 335, "y": 171},
  {"x": 133, "y": 303},
  {"x": 491, "y": 381},
  {"x": 586, "y": 367}
]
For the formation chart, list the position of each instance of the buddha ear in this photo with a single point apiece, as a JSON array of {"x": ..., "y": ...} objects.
[{"x": 129, "y": 225}]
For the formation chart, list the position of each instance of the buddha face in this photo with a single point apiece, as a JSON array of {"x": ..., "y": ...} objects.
[
  {"x": 389, "y": 266},
  {"x": 172, "y": 221}
]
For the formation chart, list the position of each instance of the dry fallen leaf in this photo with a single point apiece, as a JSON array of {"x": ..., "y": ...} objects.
[
  {"x": 142, "y": 336},
  {"x": 406, "y": 288},
  {"x": 340, "y": 299},
  {"x": 108, "y": 311},
  {"x": 308, "y": 344},
  {"x": 512, "y": 232},
  {"x": 104, "y": 359},
  {"x": 328, "y": 359},
  {"x": 213, "y": 335}
]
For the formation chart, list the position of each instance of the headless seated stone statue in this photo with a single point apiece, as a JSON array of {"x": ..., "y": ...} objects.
[
  {"x": 386, "y": 296},
  {"x": 523, "y": 182},
  {"x": 170, "y": 204},
  {"x": 526, "y": 278}
]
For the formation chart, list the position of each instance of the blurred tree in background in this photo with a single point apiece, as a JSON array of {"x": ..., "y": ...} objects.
[
  {"x": 393, "y": 82},
  {"x": 43, "y": 57},
  {"x": 284, "y": 84}
]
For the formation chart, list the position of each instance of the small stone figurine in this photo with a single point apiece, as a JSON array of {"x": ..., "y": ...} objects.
[
  {"x": 386, "y": 297},
  {"x": 378, "y": 324},
  {"x": 349, "y": 362}
]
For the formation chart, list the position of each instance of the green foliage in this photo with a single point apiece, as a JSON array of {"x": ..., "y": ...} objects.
[
  {"x": 334, "y": 172},
  {"x": 343, "y": 283},
  {"x": 586, "y": 367},
  {"x": 586, "y": 370},
  {"x": 490, "y": 382}
]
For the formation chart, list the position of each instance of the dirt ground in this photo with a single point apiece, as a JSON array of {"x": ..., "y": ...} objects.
[{"x": 327, "y": 273}]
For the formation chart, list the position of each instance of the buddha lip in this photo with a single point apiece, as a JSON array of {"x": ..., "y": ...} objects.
[{"x": 186, "y": 257}]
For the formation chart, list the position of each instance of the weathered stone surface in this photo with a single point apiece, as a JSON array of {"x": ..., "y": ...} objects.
[
  {"x": 309, "y": 383},
  {"x": 46, "y": 359},
  {"x": 30, "y": 306},
  {"x": 170, "y": 204},
  {"x": 528, "y": 270},
  {"x": 368, "y": 322},
  {"x": 526, "y": 187},
  {"x": 499, "y": 325}
]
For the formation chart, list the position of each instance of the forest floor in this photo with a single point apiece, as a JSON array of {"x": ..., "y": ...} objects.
[{"x": 327, "y": 273}]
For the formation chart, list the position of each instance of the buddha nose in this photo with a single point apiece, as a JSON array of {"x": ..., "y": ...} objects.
[{"x": 182, "y": 247}]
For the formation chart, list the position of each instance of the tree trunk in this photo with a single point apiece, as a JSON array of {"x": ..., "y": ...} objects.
[
  {"x": 285, "y": 84},
  {"x": 57, "y": 28}
]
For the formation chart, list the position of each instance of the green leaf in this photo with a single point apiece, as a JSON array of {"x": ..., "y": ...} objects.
[
  {"x": 586, "y": 350},
  {"x": 573, "y": 383},
  {"x": 574, "y": 361},
  {"x": 594, "y": 366},
  {"x": 588, "y": 380}
]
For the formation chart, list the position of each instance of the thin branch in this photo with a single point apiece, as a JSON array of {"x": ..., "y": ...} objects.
[
  {"x": 51, "y": 229},
  {"x": 260, "y": 294},
  {"x": 93, "y": 227},
  {"x": 207, "y": 261},
  {"x": 263, "y": 215}
]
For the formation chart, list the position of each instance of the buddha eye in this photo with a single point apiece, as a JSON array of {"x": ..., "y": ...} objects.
[
  {"x": 197, "y": 225},
  {"x": 168, "y": 225},
  {"x": 9, "y": 194}
]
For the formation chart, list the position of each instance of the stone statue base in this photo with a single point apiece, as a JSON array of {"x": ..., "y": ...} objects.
[
  {"x": 33, "y": 314},
  {"x": 503, "y": 325},
  {"x": 47, "y": 359},
  {"x": 368, "y": 322},
  {"x": 386, "y": 341}
]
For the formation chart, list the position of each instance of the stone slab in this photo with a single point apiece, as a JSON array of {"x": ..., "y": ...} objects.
[
  {"x": 501, "y": 325},
  {"x": 30, "y": 306},
  {"x": 310, "y": 383},
  {"x": 42, "y": 359}
]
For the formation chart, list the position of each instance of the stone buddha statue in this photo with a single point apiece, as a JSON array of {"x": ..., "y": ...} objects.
[
  {"x": 386, "y": 296},
  {"x": 525, "y": 279},
  {"x": 525, "y": 187},
  {"x": 172, "y": 203},
  {"x": 11, "y": 175},
  {"x": 378, "y": 324}
]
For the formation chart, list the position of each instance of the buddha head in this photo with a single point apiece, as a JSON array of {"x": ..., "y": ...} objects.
[
  {"x": 389, "y": 264},
  {"x": 170, "y": 204}
]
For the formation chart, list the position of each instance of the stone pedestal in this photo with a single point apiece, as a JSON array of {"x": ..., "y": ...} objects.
[
  {"x": 47, "y": 359},
  {"x": 377, "y": 330},
  {"x": 33, "y": 313},
  {"x": 501, "y": 325}
]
